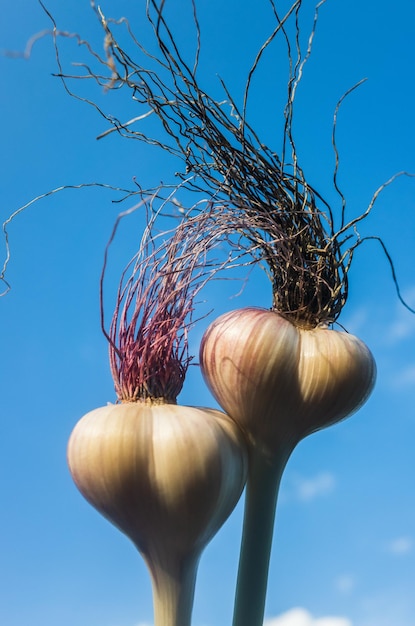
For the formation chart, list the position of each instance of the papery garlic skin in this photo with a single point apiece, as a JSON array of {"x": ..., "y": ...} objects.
[
  {"x": 167, "y": 476},
  {"x": 281, "y": 382}
]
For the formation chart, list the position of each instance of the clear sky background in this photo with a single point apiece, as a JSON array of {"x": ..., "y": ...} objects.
[{"x": 344, "y": 548}]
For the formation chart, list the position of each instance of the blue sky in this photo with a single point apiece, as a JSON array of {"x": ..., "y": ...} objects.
[{"x": 344, "y": 548}]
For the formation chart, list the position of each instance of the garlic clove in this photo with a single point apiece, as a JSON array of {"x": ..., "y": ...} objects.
[
  {"x": 336, "y": 372},
  {"x": 249, "y": 360}
]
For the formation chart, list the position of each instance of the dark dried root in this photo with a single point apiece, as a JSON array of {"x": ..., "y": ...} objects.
[{"x": 279, "y": 218}]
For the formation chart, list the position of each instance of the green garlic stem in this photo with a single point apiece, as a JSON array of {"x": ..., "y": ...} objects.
[{"x": 260, "y": 503}]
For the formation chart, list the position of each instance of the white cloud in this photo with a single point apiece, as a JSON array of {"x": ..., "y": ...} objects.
[
  {"x": 404, "y": 324},
  {"x": 400, "y": 545},
  {"x": 345, "y": 583},
  {"x": 356, "y": 321},
  {"x": 401, "y": 329},
  {"x": 301, "y": 617},
  {"x": 390, "y": 606},
  {"x": 405, "y": 377},
  {"x": 309, "y": 488}
]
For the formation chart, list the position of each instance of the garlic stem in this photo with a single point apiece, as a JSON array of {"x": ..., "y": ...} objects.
[
  {"x": 261, "y": 494},
  {"x": 173, "y": 592}
]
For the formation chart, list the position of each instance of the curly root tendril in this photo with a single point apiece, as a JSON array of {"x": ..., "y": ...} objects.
[
  {"x": 288, "y": 224},
  {"x": 148, "y": 333}
]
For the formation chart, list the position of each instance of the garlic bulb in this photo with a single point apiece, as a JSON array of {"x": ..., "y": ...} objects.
[
  {"x": 281, "y": 382},
  {"x": 167, "y": 476}
]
